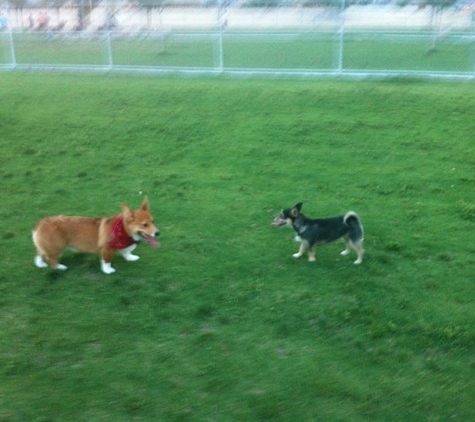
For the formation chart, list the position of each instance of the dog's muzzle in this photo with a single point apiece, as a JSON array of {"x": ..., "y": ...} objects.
[
  {"x": 151, "y": 238},
  {"x": 278, "y": 221}
]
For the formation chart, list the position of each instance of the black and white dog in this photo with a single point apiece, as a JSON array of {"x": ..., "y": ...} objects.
[{"x": 313, "y": 232}]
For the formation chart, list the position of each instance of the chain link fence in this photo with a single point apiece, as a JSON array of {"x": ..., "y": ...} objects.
[{"x": 248, "y": 37}]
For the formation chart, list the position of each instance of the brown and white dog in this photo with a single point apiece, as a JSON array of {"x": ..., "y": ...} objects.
[{"x": 103, "y": 235}]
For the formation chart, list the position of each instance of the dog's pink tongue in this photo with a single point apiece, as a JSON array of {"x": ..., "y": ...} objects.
[{"x": 152, "y": 241}]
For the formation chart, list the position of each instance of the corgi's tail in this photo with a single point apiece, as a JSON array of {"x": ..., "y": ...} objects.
[
  {"x": 39, "y": 262},
  {"x": 356, "y": 232},
  {"x": 34, "y": 236}
]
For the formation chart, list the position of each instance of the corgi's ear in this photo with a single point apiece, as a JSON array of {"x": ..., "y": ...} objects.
[
  {"x": 299, "y": 206},
  {"x": 127, "y": 211},
  {"x": 144, "y": 205}
]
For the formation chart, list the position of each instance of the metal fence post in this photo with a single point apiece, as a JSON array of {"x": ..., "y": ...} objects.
[
  {"x": 10, "y": 39},
  {"x": 473, "y": 34},
  {"x": 221, "y": 24},
  {"x": 342, "y": 37},
  {"x": 110, "y": 58}
]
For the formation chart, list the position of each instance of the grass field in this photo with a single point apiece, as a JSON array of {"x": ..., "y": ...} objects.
[
  {"x": 221, "y": 323},
  {"x": 379, "y": 51}
]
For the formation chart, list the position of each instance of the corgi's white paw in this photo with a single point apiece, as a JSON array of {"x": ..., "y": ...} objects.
[
  {"x": 345, "y": 252},
  {"x": 358, "y": 262},
  {"x": 61, "y": 267},
  {"x": 298, "y": 238},
  {"x": 296, "y": 255},
  {"x": 108, "y": 270},
  {"x": 127, "y": 253},
  {"x": 106, "y": 267},
  {"x": 40, "y": 262}
]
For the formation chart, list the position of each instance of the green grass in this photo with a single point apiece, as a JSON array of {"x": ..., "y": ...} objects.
[
  {"x": 221, "y": 323},
  {"x": 315, "y": 51}
]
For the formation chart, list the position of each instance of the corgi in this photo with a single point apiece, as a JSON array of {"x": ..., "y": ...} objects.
[
  {"x": 313, "y": 232},
  {"x": 103, "y": 235}
]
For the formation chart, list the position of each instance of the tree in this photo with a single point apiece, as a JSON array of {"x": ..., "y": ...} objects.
[
  {"x": 150, "y": 6},
  {"x": 85, "y": 8},
  {"x": 19, "y": 5},
  {"x": 437, "y": 9}
]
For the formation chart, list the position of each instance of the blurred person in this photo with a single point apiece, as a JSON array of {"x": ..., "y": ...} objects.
[{"x": 43, "y": 22}]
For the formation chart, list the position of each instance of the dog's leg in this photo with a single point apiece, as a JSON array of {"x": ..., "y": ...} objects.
[
  {"x": 106, "y": 267},
  {"x": 358, "y": 247},
  {"x": 346, "y": 251},
  {"x": 303, "y": 247},
  {"x": 40, "y": 262},
  {"x": 128, "y": 256},
  {"x": 48, "y": 255},
  {"x": 311, "y": 254},
  {"x": 348, "y": 247},
  {"x": 106, "y": 260}
]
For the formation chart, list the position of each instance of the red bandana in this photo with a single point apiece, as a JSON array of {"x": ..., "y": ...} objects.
[{"x": 120, "y": 239}]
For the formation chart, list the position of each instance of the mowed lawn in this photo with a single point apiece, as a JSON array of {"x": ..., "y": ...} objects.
[
  {"x": 371, "y": 51},
  {"x": 221, "y": 323}
]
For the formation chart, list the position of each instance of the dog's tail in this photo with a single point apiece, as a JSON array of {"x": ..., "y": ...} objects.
[{"x": 356, "y": 232}]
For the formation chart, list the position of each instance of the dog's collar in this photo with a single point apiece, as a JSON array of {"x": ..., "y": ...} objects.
[
  {"x": 120, "y": 238},
  {"x": 299, "y": 230}
]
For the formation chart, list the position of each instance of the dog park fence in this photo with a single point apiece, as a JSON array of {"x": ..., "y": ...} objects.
[{"x": 306, "y": 38}]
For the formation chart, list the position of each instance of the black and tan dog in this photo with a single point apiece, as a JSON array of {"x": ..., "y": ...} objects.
[{"x": 313, "y": 232}]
